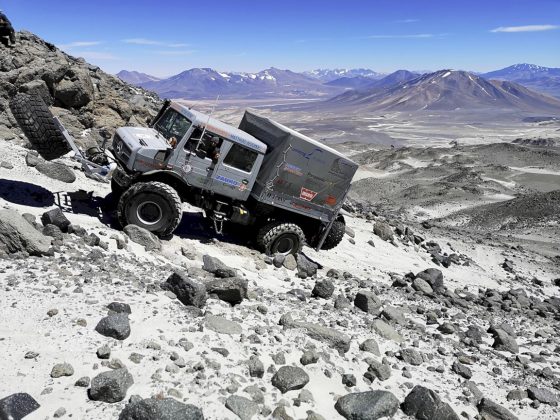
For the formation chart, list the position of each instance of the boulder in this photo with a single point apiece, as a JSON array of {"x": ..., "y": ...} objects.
[
  {"x": 115, "y": 325},
  {"x": 232, "y": 289},
  {"x": 370, "y": 405},
  {"x": 160, "y": 409},
  {"x": 75, "y": 90},
  {"x": 424, "y": 404},
  {"x": 433, "y": 277},
  {"x": 289, "y": 378},
  {"x": 188, "y": 291},
  {"x": 504, "y": 342},
  {"x": 243, "y": 407},
  {"x": 306, "y": 267},
  {"x": 370, "y": 346},
  {"x": 18, "y": 235},
  {"x": 218, "y": 268},
  {"x": 119, "y": 307},
  {"x": 367, "y": 301},
  {"x": 489, "y": 410},
  {"x": 62, "y": 369},
  {"x": 55, "y": 217},
  {"x": 143, "y": 237},
  {"x": 57, "y": 171},
  {"x": 221, "y": 325},
  {"x": 323, "y": 289},
  {"x": 111, "y": 386},
  {"x": 332, "y": 337},
  {"x": 386, "y": 331},
  {"x": 383, "y": 230}
]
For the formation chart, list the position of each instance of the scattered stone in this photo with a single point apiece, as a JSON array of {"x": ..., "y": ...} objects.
[
  {"x": 110, "y": 386},
  {"x": 306, "y": 267},
  {"x": 367, "y": 301},
  {"x": 160, "y": 409},
  {"x": 368, "y": 405},
  {"x": 104, "y": 352},
  {"x": 115, "y": 325},
  {"x": 491, "y": 411},
  {"x": 447, "y": 328},
  {"x": 187, "y": 291},
  {"x": 421, "y": 285},
  {"x": 60, "y": 412},
  {"x": 349, "y": 380},
  {"x": 517, "y": 395},
  {"x": 243, "y": 407},
  {"x": 18, "y": 235},
  {"x": 32, "y": 158},
  {"x": 218, "y": 268},
  {"x": 256, "y": 367},
  {"x": 62, "y": 369},
  {"x": 309, "y": 357},
  {"x": 232, "y": 289},
  {"x": 376, "y": 370},
  {"x": 383, "y": 230},
  {"x": 120, "y": 308},
  {"x": 289, "y": 378},
  {"x": 83, "y": 382},
  {"x": 323, "y": 289},
  {"x": 57, "y": 218},
  {"x": 370, "y": 346},
  {"x": 143, "y": 237},
  {"x": 31, "y": 355},
  {"x": 462, "y": 370},
  {"x": 17, "y": 406},
  {"x": 412, "y": 357},
  {"x": 289, "y": 262},
  {"x": 423, "y": 404},
  {"x": 386, "y": 331},
  {"x": 335, "y": 339},
  {"x": 222, "y": 325},
  {"x": 57, "y": 171},
  {"x": 433, "y": 277},
  {"x": 52, "y": 312},
  {"x": 393, "y": 314},
  {"x": 504, "y": 342},
  {"x": 542, "y": 395}
]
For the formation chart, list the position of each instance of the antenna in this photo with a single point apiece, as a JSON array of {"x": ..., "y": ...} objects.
[{"x": 209, "y": 116}]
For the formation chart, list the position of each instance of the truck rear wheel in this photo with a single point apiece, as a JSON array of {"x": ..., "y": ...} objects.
[
  {"x": 37, "y": 122},
  {"x": 335, "y": 235},
  {"x": 281, "y": 238},
  {"x": 154, "y": 206}
]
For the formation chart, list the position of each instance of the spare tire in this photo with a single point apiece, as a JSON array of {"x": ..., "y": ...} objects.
[
  {"x": 335, "y": 235},
  {"x": 37, "y": 122}
]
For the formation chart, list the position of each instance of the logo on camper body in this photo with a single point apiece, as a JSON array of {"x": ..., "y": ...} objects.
[{"x": 307, "y": 194}]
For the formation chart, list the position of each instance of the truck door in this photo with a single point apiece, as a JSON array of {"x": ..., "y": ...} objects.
[{"x": 236, "y": 170}]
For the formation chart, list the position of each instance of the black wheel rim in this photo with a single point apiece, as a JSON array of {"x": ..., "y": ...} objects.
[
  {"x": 149, "y": 213},
  {"x": 285, "y": 244}
]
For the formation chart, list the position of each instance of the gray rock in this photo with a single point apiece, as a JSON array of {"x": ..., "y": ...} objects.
[
  {"x": 542, "y": 395},
  {"x": 383, "y": 230},
  {"x": 376, "y": 370},
  {"x": 367, "y": 301},
  {"x": 53, "y": 231},
  {"x": 57, "y": 171},
  {"x": 143, "y": 237},
  {"x": 433, "y": 276},
  {"x": 18, "y": 235},
  {"x": 306, "y": 267},
  {"x": 349, "y": 380},
  {"x": 309, "y": 357},
  {"x": 334, "y": 338},
  {"x": 489, "y": 410},
  {"x": 104, "y": 352},
  {"x": 60, "y": 412},
  {"x": 462, "y": 370},
  {"x": 393, "y": 314},
  {"x": 119, "y": 307},
  {"x": 55, "y": 217},
  {"x": 76, "y": 89},
  {"x": 368, "y": 405},
  {"x": 278, "y": 260},
  {"x": 341, "y": 302},
  {"x": 115, "y": 325},
  {"x": 218, "y": 268},
  {"x": 425, "y": 404},
  {"x": 160, "y": 409},
  {"x": 370, "y": 346},
  {"x": 386, "y": 331},
  {"x": 412, "y": 357},
  {"x": 323, "y": 289},
  {"x": 242, "y": 407},
  {"x": 517, "y": 395},
  {"x": 6, "y": 165},
  {"x": 188, "y": 291},
  {"x": 83, "y": 382},
  {"x": 421, "y": 285},
  {"x": 256, "y": 367},
  {"x": 110, "y": 386},
  {"x": 32, "y": 158},
  {"x": 222, "y": 325},
  {"x": 232, "y": 290},
  {"x": 62, "y": 369},
  {"x": 504, "y": 342},
  {"x": 289, "y": 378},
  {"x": 17, "y": 406},
  {"x": 289, "y": 262}
]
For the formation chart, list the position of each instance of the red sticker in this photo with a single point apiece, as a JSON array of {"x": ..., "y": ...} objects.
[
  {"x": 331, "y": 200},
  {"x": 307, "y": 194}
]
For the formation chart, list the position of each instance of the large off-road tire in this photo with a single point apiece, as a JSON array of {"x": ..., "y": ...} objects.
[
  {"x": 155, "y": 206},
  {"x": 280, "y": 238},
  {"x": 37, "y": 122},
  {"x": 116, "y": 190},
  {"x": 335, "y": 235}
]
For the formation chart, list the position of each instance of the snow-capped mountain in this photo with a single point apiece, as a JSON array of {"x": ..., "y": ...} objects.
[
  {"x": 328, "y": 75},
  {"x": 135, "y": 77},
  {"x": 539, "y": 78}
]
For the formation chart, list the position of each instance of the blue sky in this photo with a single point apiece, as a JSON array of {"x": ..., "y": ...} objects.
[{"x": 163, "y": 38}]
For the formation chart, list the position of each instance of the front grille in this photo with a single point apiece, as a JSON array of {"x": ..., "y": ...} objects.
[{"x": 121, "y": 150}]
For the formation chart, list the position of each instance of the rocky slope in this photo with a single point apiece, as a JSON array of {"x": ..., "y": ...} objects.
[{"x": 83, "y": 97}]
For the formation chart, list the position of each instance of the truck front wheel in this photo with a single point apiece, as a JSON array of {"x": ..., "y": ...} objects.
[
  {"x": 154, "y": 206},
  {"x": 281, "y": 238},
  {"x": 335, "y": 235}
]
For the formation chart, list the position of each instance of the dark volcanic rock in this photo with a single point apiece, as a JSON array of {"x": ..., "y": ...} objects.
[
  {"x": 218, "y": 268},
  {"x": 489, "y": 410},
  {"x": 160, "y": 409},
  {"x": 323, "y": 289},
  {"x": 367, "y": 301},
  {"x": 425, "y": 404},
  {"x": 288, "y": 378},
  {"x": 433, "y": 277},
  {"x": 143, "y": 237},
  {"x": 115, "y": 325},
  {"x": 55, "y": 217},
  {"x": 110, "y": 386},
  {"x": 542, "y": 395},
  {"x": 57, "y": 171},
  {"x": 118, "y": 307},
  {"x": 17, "y": 406},
  {"x": 306, "y": 267},
  {"x": 462, "y": 370},
  {"x": 187, "y": 291},
  {"x": 383, "y": 230},
  {"x": 232, "y": 289},
  {"x": 369, "y": 405},
  {"x": 334, "y": 338},
  {"x": 18, "y": 235},
  {"x": 243, "y": 407},
  {"x": 504, "y": 342}
]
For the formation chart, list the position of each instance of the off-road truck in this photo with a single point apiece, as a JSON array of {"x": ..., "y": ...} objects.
[{"x": 284, "y": 187}]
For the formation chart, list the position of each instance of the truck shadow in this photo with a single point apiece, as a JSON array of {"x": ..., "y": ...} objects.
[
  {"x": 25, "y": 193},
  {"x": 84, "y": 202}
]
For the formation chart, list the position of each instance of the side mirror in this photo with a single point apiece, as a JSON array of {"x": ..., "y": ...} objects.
[{"x": 201, "y": 154}]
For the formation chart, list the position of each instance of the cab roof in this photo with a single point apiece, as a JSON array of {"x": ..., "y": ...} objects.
[{"x": 220, "y": 128}]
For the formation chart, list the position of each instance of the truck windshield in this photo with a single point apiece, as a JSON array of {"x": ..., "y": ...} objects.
[{"x": 173, "y": 124}]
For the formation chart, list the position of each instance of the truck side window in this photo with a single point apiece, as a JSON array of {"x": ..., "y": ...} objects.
[{"x": 241, "y": 158}]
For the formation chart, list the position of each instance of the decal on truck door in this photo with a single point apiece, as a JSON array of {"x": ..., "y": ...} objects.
[{"x": 307, "y": 194}]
